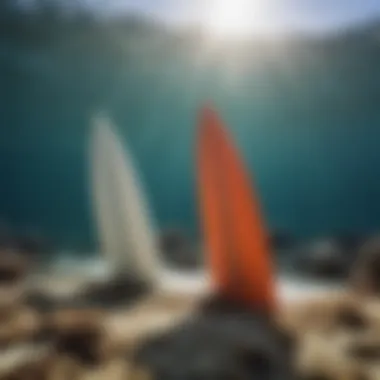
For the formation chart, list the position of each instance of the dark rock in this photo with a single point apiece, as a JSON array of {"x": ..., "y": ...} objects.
[
  {"x": 13, "y": 268},
  {"x": 232, "y": 344},
  {"x": 328, "y": 259},
  {"x": 6, "y": 238},
  {"x": 281, "y": 240},
  {"x": 365, "y": 352},
  {"x": 350, "y": 242},
  {"x": 173, "y": 240},
  {"x": 366, "y": 271},
  {"x": 13, "y": 272},
  {"x": 179, "y": 250},
  {"x": 352, "y": 319},
  {"x": 121, "y": 290},
  {"x": 78, "y": 334},
  {"x": 33, "y": 245},
  {"x": 44, "y": 303},
  {"x": 81, "y": 345},
  {"x": 40, "y": 302}
]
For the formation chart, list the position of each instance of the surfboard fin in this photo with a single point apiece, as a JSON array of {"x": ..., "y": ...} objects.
[
  {"x": 236, "y": 240},
  {"x": 122, "y": 212}
]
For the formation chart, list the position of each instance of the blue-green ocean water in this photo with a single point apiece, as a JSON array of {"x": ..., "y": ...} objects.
[{"x": 305, "y": 114}]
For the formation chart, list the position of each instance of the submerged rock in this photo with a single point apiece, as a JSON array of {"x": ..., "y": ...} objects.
[
  {"x": 13, "y": 267},
  {"x": 329, "y": 259},
  {"x": 77, "y": 334},
  {"x": 46, "y": 303},
  {"x": 39, "y": 301},
  {"x": 351, "y": 242},
  {"x": 6, "y": 237},
  {"x": 179, "y": 250},
  {"x": 282, "y": 240},
  {"x": 32, "y": 246},
  {"x": 120, "y": 290},
  {"x": 225, "y": 344},
  {"x": 366, "y": 270},
  {"x": 13, "y": 271}
]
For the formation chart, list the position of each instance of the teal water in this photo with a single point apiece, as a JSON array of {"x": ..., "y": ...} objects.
[{"x": 304, "y": 112}]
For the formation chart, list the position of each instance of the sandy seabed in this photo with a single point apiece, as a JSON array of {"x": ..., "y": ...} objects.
[{"x": 126, "y": 327}]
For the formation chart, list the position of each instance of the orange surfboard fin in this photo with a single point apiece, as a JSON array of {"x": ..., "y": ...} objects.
[{"x": 236, "y": 240}]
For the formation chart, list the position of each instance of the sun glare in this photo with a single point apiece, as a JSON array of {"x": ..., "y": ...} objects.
[{"x": 234, "y": 18}]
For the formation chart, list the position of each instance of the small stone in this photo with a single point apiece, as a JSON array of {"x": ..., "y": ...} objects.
[
  {"x": 32, "y": 246},
  {"x": 79, "y": 334},
  {"x": 369, "y": 353},
  {"x": 13, "y": 267},
  {"x": 282, "y": 240},
  {"x": 41, "y": 302},
  {"x": 325, "y": 259},
  {"x": 119, "y": 291},
  {"x": 13, "y": 271},
  {"x": 352, "y": 319},
  {"x": 366, "y": 272},
  {"x": 179, "y": 250}
]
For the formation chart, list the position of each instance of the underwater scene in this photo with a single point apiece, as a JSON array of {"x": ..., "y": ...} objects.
[{"x": 189, "y": 189}]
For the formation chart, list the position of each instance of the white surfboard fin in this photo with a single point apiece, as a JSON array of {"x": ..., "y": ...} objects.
[{"x": 126, "y": 234}]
